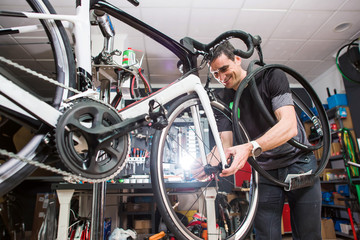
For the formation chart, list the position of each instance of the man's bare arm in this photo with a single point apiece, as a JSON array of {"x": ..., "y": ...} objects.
[{"x": 280, "y": 133}]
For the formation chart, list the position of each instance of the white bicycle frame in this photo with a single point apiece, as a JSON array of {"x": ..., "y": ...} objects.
[
  {"x": 50, "y": 115},
  {"x": 81, "y": 22}
]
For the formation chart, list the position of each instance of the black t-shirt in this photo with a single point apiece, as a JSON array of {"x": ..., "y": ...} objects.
[{"x": 275, "y": 92}]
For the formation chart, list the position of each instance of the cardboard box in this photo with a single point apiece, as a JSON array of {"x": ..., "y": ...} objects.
[
  {"x": 318, "y": 153},
  {"x": 333, "y": 174},
  {"x": 141, "y": 224},
  {"x": 143, "y": 231},
  {"x": 345, "y": 228},
  {"x": 335, "y": 148},
  {"x": 138, "y": 207},
  {"x": 337, "y": 201},
  {"x": 41, "y": 206},
  {"x": 327, "y": 229}
]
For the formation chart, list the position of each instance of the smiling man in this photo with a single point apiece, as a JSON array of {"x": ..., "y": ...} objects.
[{"x": 269, "y": 146}]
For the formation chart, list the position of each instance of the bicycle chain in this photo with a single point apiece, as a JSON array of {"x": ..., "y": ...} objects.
[{"x": 69, "y": 177}]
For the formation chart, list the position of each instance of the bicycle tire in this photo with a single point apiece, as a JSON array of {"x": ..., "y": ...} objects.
[
  {"x": 164, "y": 192},
  {"x": 13, "y": 171},
  {"x": 322, "y": 117}
]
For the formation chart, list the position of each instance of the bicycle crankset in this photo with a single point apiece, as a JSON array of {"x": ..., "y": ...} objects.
[{"x": 77, "y": 140}]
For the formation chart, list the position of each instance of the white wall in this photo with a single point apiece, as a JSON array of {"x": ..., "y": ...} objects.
[{"x": 331, "y": 79}]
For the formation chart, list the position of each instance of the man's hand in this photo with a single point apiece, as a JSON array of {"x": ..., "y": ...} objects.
[
  {"x": 240, "y": 154},
  {"x": 197, "y": 170}
]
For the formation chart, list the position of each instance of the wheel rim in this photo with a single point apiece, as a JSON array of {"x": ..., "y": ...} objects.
[
  {"x": 167, "y": 191},
  {"x": 13, "y": 171}
]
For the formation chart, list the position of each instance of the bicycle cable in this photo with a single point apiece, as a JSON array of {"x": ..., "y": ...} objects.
[{"x": 69, "y": 177}]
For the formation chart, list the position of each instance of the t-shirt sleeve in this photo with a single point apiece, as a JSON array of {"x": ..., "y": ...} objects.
[
  {"x": 223, "y": 122},
  {"x": 279, "y": 89}
]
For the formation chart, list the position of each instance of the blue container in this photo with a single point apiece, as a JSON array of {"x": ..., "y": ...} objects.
[
  {"x": 304, "y": 117},
  {"x": 344, "y": 190},
  {"x": 337, "y": 224},
  {"x": 337, "y": 100},
  {"x": 327, "y": 198}
]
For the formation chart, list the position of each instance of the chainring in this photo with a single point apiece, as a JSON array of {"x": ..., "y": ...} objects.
[{"x": 77, "y": 145}]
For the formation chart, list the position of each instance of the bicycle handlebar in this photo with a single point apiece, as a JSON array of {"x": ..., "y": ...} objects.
[
  {"x": 249, "y": 41},
  {"x": 134, "y": 2}
]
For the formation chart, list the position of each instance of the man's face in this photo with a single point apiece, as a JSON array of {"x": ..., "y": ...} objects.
[{"x": 226, "y": 71}]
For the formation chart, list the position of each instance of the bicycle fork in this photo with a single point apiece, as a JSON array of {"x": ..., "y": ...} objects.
[
  {"x": 211, "y": 192},
  {"x": 205, "y": 101}
]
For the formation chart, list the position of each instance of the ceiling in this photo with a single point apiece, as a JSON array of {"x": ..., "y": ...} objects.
[{"x": 298, "y": 33}]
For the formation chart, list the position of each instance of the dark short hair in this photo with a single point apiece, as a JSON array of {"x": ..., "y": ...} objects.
[{"x": 224, "y": 48}]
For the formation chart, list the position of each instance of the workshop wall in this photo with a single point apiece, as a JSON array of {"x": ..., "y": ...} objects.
[{"x": 329, "y": 79}]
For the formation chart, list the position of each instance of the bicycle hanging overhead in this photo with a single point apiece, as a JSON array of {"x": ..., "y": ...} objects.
[{"x": 353, "y": 57}]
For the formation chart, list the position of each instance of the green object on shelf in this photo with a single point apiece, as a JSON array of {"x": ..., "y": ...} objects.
[{"x": 350, "y": 155}]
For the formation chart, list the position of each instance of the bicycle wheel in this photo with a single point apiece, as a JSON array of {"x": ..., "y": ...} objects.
[
  {"x": 16, "y": 124},
  {"x": 319, "y": 123},
  {"x": 173, "y": 150}
]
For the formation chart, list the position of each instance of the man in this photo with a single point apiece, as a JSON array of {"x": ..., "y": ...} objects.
[{"x": 269, "y": 142}]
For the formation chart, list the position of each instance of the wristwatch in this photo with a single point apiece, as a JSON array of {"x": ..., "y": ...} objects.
[{"x": 256, "y": 151}]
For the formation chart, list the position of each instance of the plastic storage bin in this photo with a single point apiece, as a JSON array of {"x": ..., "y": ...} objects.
[{"x": 337, "y": 100}]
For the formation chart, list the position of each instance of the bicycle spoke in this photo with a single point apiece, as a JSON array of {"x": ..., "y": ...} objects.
[
  {"x": 169, "y": 177},
  {"x": 60, "y": 66}
]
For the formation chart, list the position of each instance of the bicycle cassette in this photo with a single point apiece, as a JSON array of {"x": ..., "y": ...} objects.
[{"x": 77, "y": 134}]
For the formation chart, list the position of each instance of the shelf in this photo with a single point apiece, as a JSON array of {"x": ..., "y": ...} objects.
[
  {"x": 136, "y": 213},
  {"x": 117, "y": 186},
  {"x": 339, "y": 181},
  {"x": 355, "y": 180},
  {"x": 344, "y": 235},
  {"x": 53, "y": 179},
  {"x": 333, "y": 206},
  {"x": 336, "y": 157},
  {"x": 332, "y": 113},
  {"x": 342, "y": 181}
]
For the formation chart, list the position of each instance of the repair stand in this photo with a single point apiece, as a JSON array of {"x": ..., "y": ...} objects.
[
  {"x": 64, "y": 197},
  {"x": 98, "y": 208}
]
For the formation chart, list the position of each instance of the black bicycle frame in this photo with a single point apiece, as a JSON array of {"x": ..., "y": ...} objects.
[{"x": 186, "y": 56}]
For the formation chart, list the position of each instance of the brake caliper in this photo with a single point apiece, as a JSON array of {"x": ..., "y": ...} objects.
[{"x": 159, "y": 119}]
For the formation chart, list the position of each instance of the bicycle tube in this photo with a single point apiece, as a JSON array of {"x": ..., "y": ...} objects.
[
  {"x": 13, "y": 171},
  {"x": 322, "y": 116},
  {"x": 167, "y": 154},
  {"x": 271, "y": 119}
]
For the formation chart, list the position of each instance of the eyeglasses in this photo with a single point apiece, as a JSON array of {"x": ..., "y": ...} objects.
[{"x": 221, "y": 70}]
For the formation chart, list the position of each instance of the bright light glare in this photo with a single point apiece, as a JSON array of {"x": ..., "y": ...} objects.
[{"x": 186, "y": 161}]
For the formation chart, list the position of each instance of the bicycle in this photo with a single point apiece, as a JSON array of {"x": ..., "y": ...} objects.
[{"x": 91, "y": 137}]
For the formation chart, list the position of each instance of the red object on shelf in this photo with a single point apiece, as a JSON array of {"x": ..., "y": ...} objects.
[
  {"x": 286, "y": 218},
  {"x": 242, "y": 175},
  {"x": 352, "y": 223}
]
